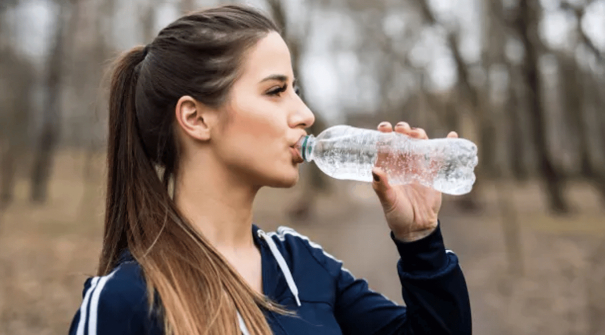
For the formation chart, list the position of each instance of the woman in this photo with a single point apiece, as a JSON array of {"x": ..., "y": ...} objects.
[{"x": 200, "y": 120}]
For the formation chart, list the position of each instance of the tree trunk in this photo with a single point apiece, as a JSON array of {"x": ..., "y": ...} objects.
[
  {"x": 187, "y": 6},
  {"x": 16, "y": 79},
  {"x": 553, "y": 180},
  {"x": 594, "y": 104},
  {"x": 7, "y": 174},
  {"x": 51, "y": 114},
  {"x": 148, "y": 23},
  {"x": 6, "y": 164},
  {"x": 517, "y": 148}
]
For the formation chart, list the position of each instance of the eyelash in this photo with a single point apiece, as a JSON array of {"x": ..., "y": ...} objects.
[{"x": 276, "y": 92}]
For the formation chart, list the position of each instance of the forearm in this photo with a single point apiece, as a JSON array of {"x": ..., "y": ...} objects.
[{"x": 433, "y": 287}]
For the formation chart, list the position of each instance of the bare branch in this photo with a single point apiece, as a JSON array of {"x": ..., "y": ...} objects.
[{"x": 579, "y": 13}]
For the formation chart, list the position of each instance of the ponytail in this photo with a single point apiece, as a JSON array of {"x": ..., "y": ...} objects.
[{"x": 122, "y": 156}]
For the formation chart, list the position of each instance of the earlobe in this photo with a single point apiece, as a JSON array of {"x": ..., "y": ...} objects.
[{"x": 193, "y": 118}]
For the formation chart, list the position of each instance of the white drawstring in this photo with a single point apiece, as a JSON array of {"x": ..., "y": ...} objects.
[
  {"x": 284, "y": 269},
  {"x": 282, "y": 265},
  {"x": 242, "y": 324}
]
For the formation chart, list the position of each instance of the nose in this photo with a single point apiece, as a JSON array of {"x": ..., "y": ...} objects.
[{"x": 302, "y": 115}]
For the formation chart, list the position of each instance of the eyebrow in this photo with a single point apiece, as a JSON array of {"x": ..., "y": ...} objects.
[{"x": 278, "y": 77}]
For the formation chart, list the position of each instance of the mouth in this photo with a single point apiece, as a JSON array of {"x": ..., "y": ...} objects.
[{"x": 296, "y": 158}]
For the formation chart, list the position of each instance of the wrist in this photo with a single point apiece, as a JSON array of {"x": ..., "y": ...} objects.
[
  {"x": 411, "y": 236},
  {"x": 423, "y": 257}
]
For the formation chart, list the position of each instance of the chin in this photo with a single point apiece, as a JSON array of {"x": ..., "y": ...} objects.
[
  {"x": 292, "y": 182},
  {"x": 285, "y": 180}
]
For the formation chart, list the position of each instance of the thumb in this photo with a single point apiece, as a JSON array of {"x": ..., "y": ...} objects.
[{"x": 382, "y": 188}]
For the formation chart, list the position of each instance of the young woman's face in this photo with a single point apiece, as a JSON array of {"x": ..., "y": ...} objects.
[{"x": 266, "y": 117}]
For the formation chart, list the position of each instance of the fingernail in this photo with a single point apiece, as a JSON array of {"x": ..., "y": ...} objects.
[
  {"x": 376, "y": 178},
  {"x": 382, "y": 124},
  {"x": 414, "y": 128}
]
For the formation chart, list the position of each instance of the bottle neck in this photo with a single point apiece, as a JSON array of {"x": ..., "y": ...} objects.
[{"x": 306, "y": 149}]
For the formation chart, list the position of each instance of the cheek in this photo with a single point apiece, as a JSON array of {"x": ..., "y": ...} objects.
[
  {"x": 255, "y": 140},
  {"x": 262, "y": 128},
  {"x": 259, "y": 129}
]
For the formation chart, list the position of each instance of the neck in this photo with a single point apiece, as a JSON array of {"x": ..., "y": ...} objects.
[{"x": 218, "y": 205}]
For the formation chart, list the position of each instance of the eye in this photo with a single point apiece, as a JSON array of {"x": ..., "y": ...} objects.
[
  {"x": 277, "y": 91},
  {"x": 297, "y": 91}
]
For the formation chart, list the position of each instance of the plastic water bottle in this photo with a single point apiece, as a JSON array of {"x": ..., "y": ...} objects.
[{"x": 345, "y": 152}]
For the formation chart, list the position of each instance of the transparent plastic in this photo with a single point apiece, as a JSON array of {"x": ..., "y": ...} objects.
[{"x": 345, "y": 152}]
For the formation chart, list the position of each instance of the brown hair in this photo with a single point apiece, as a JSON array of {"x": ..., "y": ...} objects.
[{"x": 199, "y": 55}]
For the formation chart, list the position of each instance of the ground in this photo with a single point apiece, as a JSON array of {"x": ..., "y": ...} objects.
[{"x": 550, "y": 282}]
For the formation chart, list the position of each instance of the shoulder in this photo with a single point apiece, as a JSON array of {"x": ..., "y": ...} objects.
[
  {"x": 113, "y": 304},
  {"x": 300, "y": 247},
  {"x": 124, "y": 288}
]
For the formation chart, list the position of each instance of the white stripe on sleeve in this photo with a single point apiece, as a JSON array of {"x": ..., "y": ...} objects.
[
  {"x": 94, "y": 304},
  {"x": 84, "y": 306}
]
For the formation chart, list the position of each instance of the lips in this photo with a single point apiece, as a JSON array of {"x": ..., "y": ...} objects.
[
  {"x": 296, "y": 158},
  {"x": 298, "y": 140}
]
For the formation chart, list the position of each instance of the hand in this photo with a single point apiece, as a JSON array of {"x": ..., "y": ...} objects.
[{"x": 411, "y": 210}]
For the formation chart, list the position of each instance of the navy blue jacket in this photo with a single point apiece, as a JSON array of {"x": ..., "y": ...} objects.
[{"x": 327, "y": 298}]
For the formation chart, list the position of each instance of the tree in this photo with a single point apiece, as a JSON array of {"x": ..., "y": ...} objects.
[
  {"x": 474, "y": 99},
  {"x": 16, "y": 79},
  {"x": 581, "y": 98},
  {"x": 553, "y": 180},
  {"x": 47, "y": 138},
  {"x": 187, "y": 6}
]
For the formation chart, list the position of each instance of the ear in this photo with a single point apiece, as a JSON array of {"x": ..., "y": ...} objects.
[{"x": 194, "y": 118}]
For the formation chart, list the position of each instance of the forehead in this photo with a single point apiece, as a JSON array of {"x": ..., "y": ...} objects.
[{"x": 269, "y": 56}]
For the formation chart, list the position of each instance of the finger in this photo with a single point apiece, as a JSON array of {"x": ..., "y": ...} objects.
[
  {"x": 418, "y": 133},
  {"x": 383, "y": 189},
  {"x": 386, "y": 127},
  {"x": 452, "y": 134},
  {"x": 383, "y": 150},
  {"x": 403, "y": 127}
]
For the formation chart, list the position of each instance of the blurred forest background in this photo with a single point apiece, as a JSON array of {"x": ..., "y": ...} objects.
[{"x": 524, "y": 79}]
